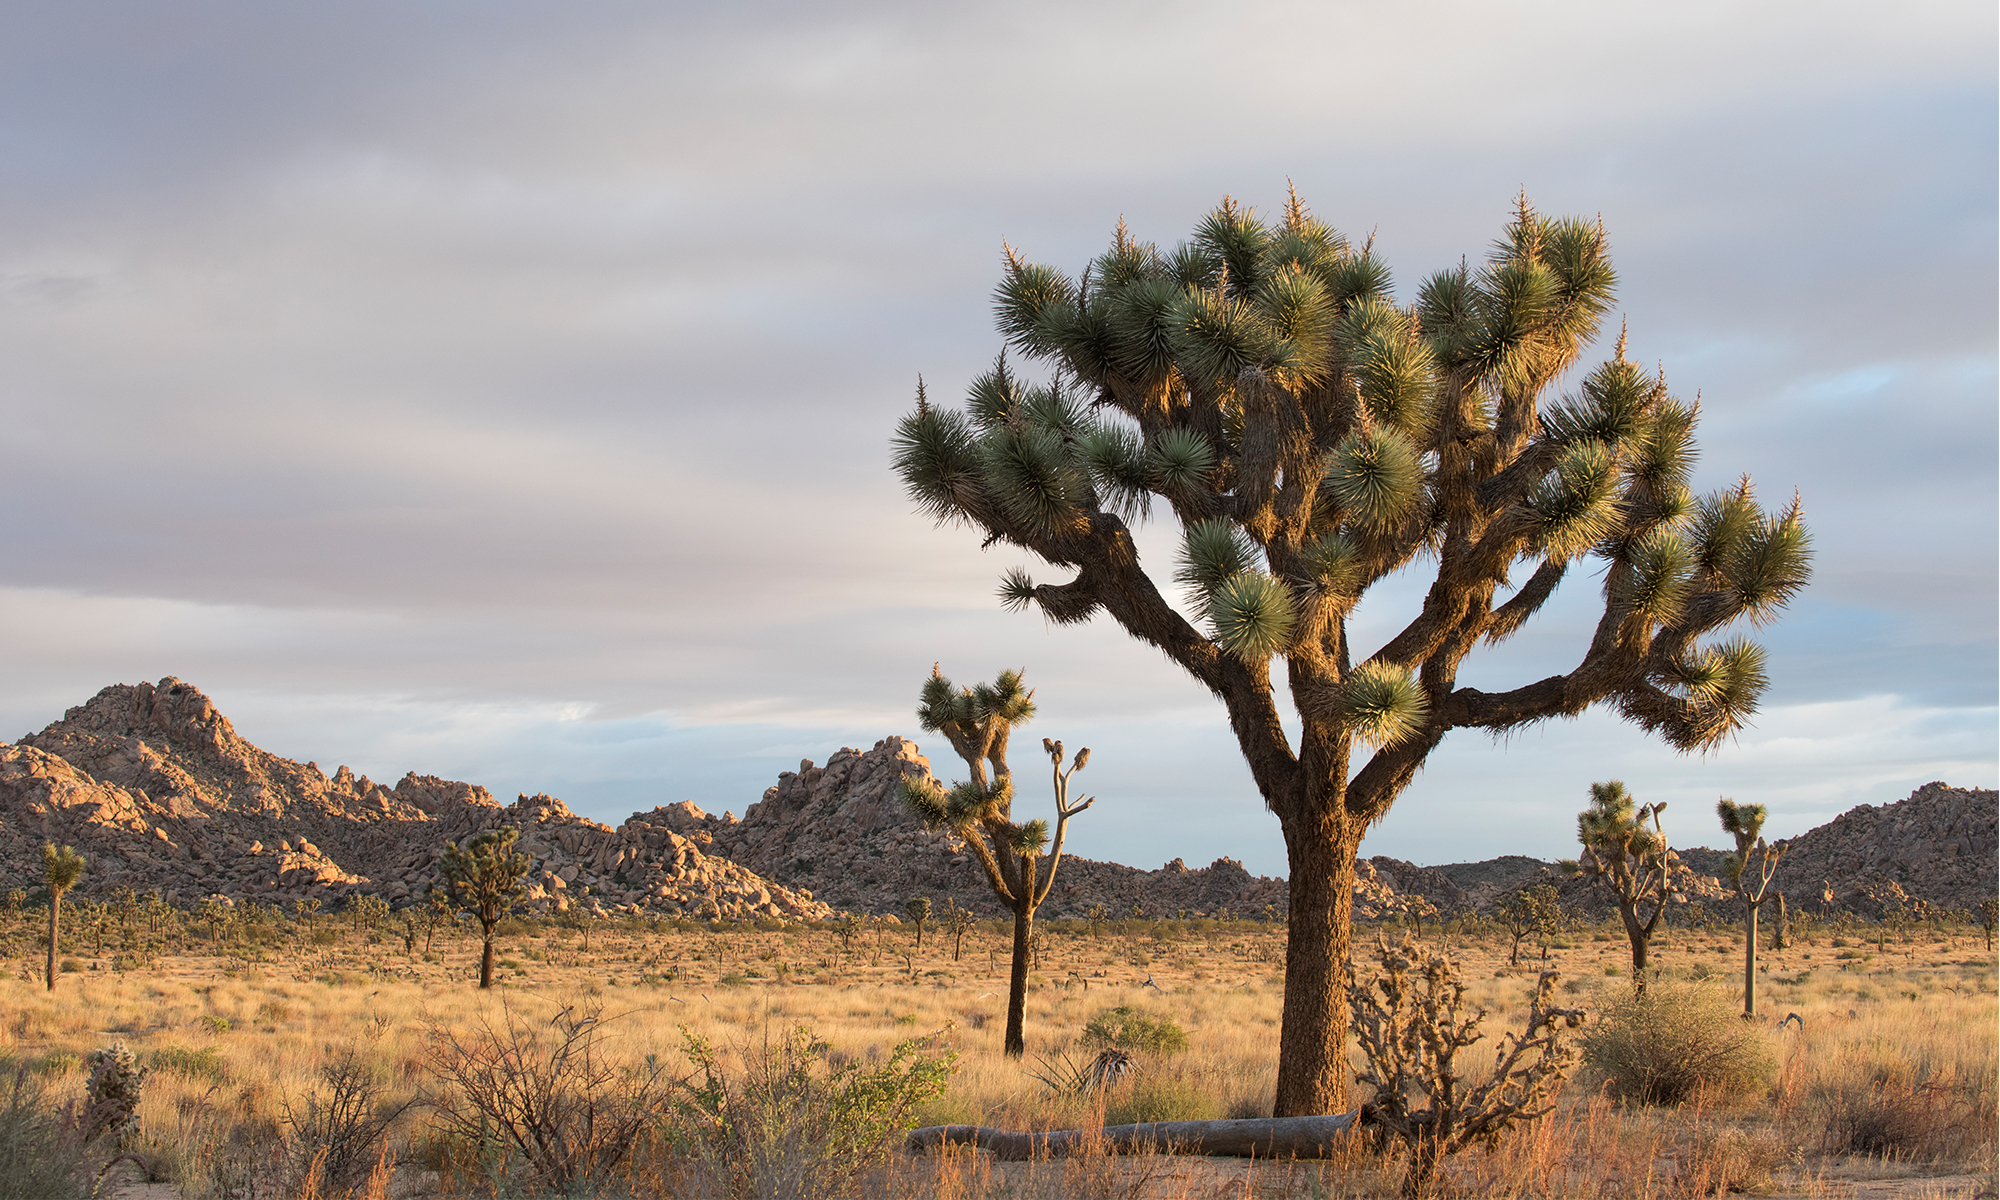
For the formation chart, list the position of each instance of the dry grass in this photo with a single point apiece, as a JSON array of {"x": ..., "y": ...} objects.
[{"x": 1890, "y": 1083}]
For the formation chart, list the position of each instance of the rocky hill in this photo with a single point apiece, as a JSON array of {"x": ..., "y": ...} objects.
[
  {"x": 155, "y": 787},
  {"x": 840, "y": 831}
]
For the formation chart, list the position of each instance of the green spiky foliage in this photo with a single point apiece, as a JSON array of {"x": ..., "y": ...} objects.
[
  {"x": 1750, "y": 869},
  {"x": 1625, "y": 849},
  {"x": 1259, "y": 386},
  {"x": 62, "y": 867},
  {"x": 485, "y": 876},
  {"x": 977, "y": 721}
]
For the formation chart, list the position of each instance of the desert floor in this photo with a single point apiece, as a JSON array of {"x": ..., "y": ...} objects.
[{"x": 1884, "y": 1088}]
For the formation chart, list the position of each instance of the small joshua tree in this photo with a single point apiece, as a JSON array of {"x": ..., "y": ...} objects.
[
  {"x": 1529, "y": 910},
  {"x": 977, "y": 722},
  {"x": 1625, "y": 849},
  {"x": 1750, "y": 869},
  {"x": 1989, "y": 918},
  {"x": 62, "y": 866},
  {"x": 1410, "y": 1021},
  {"x": 956, "y": 921},
  {"x": 918, "y": 910},
  {"x": 485, "y": 876}
]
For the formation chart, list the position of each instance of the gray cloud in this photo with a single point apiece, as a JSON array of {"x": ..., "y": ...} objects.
[{"x": 526, "y": 376}]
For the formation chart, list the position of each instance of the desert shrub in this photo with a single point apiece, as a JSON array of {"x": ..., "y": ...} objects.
[
  {"x": 801, "y": 1121},
  {"x": 1673, "y": 1041},
  {"x": 1162, "y": 1097},
  {"x": 547, "y": 1093},
  {"x": 1127, "y": 1028},
  {"x": 42, "y": 1152},
  {"x": 116, "y": 1079},
  {"x": 1903, "y": 1108},
  {"x": 339, "y": 1130},
  {"x": 189, "y": 1063},
  {"x": 57, "y": 1063}
]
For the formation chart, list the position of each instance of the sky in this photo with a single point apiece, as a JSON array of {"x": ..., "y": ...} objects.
[{"x": 504, "y": 391}]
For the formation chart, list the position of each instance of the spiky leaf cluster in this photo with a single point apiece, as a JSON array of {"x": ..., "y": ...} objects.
[{"x": 1311, "y": 436}]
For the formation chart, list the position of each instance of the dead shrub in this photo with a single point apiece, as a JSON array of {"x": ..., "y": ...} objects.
[
  {"x": 549, "y": 1095},
  {"x": 339, "y": 1131},
  {"x": 1900, "y": 1109}
]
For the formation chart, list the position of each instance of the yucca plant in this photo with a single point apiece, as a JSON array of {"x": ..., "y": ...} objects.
[
  {"x": 62, "y": 867},
  {"x": 1311, "y": 437},
  {"x": 1749, "y": 871},
  {"x": 1625, "y": 849},
  {"x": 977, "y": 721}
]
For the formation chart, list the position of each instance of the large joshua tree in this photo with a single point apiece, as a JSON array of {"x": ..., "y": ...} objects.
[
  {"x": 1311, "y": 437},
  {"x": 977, "y": 722},
  {"x": 1750, "y": 870}
]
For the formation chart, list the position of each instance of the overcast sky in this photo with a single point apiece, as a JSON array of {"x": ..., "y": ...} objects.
[{"x": 504, "y": 391}]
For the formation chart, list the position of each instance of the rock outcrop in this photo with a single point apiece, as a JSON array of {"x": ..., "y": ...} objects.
[
  {"x": 1941, "y": 845},
  {"x": 841, "y": 831},
  {"x": 156, "y": 788}
]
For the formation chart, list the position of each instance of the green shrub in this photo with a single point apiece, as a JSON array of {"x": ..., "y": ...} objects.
[
  {"x": 189, "y": 1063},
  {"x": 57, "y": 1063},
  {"x": 801, "y": 1120},
  {"x": 1675, "y": 1040},
  {"x": 1127, "y": 1028},
  {"x": 1163, "y": 1097}
]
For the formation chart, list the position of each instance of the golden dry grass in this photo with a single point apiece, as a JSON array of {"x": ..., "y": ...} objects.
[{"x": 237, "y": 1036}]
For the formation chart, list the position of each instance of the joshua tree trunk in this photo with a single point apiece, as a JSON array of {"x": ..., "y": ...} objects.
[
  {"x": 486, "y": 954},
  {"x": 1750, "y": 960},
  {"x": 1017, "y": 980},
  {"x": 55, "y": 909},
  {"x": 1312, "y": 1065},
  {"x": 1639, "y": 935},
  {"x": 1781, "y": 933}
]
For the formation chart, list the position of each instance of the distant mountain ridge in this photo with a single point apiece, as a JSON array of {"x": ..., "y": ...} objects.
[{"x": 153, "y": 784}]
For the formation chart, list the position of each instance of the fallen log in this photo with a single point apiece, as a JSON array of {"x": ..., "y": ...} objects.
[{"x": 1263, "y": 1137}]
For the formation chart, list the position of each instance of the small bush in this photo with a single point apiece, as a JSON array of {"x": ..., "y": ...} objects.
[
  {"x": 1908, "y": 1109},
  {"x": 1126, "y": 1028},
  {"x": 1675, "y": 1040},
  {"x": 57, "y": 1063},
  {"x": 801, "y": 1121},
  {"x": 189, "y": 1063},
  {"x": 1163, "y": 1097}
]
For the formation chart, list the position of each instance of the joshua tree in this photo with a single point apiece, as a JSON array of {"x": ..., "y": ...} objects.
[
  {"x": 1749, "y": 870},
  {"x": 977, "y": 722},
  {"x": 1311, "y": 439},
  {"x": 1528, "y": 910},
  {"x": 485, "y": 876},
  {"x": 918, "y": 909},
  {"x": 1634, "y": 861},
  {"x": 956, "y": 921},
  {"x": 1989, "y": 918},
  {"x": 61, "y": 868}
]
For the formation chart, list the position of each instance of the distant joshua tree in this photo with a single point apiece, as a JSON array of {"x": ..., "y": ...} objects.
[
  {"x": 918, "y": 910},
  {"x": 1529, "y": 910},
  {"x": 1622, "y": 852},
  {"x": 1749, "y": 871},
  {"x": 977, "y": 722},
  {"x": 485, "y": 876},
  {"x": 61, "y": 868},
  {"x": 956, "y": 921}
]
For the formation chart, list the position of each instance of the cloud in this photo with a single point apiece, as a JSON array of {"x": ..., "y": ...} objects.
[{"x": 527, "y": 377}]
